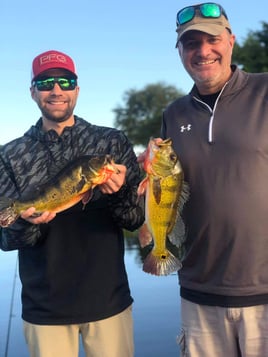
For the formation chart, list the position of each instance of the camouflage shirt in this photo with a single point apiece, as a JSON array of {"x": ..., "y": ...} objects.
[{"x": 80, "y": 249}]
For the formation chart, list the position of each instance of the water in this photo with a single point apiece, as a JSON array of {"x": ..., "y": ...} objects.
[{"x": 155, "y": 309}]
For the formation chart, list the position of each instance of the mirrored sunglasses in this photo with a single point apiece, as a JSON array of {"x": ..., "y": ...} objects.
[
  {"x": 206, "y": 10},
  {"x": 48, "y": 84}
]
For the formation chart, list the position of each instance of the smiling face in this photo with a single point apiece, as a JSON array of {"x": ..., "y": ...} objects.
[
  {"x": 56, "y": 105},
  {"x": 207, "y": 59}
]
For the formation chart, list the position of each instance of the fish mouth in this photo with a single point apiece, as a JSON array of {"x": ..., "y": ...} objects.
[
  {"x": 165, "y": 142},
  {"x": 109, "y": 160},
  {"x": 159, "y": 142}
]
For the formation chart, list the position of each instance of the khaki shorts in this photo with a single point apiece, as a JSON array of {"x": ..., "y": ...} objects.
[
  {"x": 212, "y": 331},
  {"x": 111, "y": 337}
]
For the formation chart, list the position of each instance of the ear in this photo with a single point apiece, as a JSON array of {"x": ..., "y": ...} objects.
[
  {"x": 32, "y": 91},
  {"x": 180, "y": 48},
  {"x": 232, "y": 39}
]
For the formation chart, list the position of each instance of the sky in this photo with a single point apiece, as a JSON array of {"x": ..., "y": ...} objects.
[{"x": 116, "y": 45}]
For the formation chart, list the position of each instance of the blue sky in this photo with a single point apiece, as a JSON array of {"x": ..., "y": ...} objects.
[{"x": 116, "y": 45}]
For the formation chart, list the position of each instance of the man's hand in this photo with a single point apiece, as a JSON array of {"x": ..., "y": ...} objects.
[
  {"x": 142, "y": 157},
  {"x": 116, "y": 181},
  {"x": 45, "y": 217}
]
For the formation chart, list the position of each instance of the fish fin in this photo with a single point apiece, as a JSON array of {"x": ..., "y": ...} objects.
[
  {"x": 177, "y": 235},
  {"x": 7, "y": 213},
  {"x": 87, "y": 197},
  {"x": 157, "y": 190},
  {"x": 185, "y": 194},
  {"x": 142, "y": 186},
  {"x": 163, "y": 264},
  {"x": 145, "y": 237}
]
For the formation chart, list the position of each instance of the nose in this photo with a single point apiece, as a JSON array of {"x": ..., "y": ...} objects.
[
  {"x": 204, "y": 48},
  {"x": 56, "y": 89}
]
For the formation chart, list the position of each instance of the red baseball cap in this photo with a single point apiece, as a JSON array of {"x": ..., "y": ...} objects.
[{"x": 50, "y": 60}]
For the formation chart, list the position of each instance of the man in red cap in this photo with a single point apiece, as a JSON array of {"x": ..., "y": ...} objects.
[{"x": 71, "y": 265}]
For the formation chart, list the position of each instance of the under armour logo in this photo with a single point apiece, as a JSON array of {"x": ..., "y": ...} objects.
[{"x": 188, "y": 128}]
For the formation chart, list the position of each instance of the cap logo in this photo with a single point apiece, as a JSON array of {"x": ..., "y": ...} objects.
[{"x": 52, "y": 57}]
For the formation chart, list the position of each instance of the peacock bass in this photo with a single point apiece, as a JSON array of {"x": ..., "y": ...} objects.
[
  {"x": 72, "y": 184},
  {"x": 165, "y": 194}
]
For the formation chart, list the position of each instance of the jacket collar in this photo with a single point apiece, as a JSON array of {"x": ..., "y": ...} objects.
[{"x": 238, "y": 81}]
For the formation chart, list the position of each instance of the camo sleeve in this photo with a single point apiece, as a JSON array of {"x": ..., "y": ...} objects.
[
  {"x": 21, "y": 233},
  {"x": 126, "y": 207}
]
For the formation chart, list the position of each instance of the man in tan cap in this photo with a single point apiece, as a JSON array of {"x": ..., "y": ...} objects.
[{"x": 219, "y": 131}]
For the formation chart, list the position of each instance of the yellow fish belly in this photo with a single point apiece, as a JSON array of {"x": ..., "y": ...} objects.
[{"x": 161, "y": 212}]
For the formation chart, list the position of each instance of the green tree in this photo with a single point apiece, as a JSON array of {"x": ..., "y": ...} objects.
[
  {"x": 252, "y": 55},
  {"x": 140, "y": 117}
]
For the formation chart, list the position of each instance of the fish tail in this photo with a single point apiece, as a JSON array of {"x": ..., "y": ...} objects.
[
  {"x": 8, "y": 215},
  {"x": 161, "y": 264}
]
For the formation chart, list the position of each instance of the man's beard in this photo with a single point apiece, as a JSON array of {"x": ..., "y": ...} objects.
[{"x": 57, "y": 119}]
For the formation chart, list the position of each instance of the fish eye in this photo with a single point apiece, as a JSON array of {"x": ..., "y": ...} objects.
[{"x": 173, "y": 157}]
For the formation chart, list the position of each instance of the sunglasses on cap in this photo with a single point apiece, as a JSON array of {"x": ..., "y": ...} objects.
[
  {"x": 206, "y": 10},
  {"x": 48, "y": 84}
]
